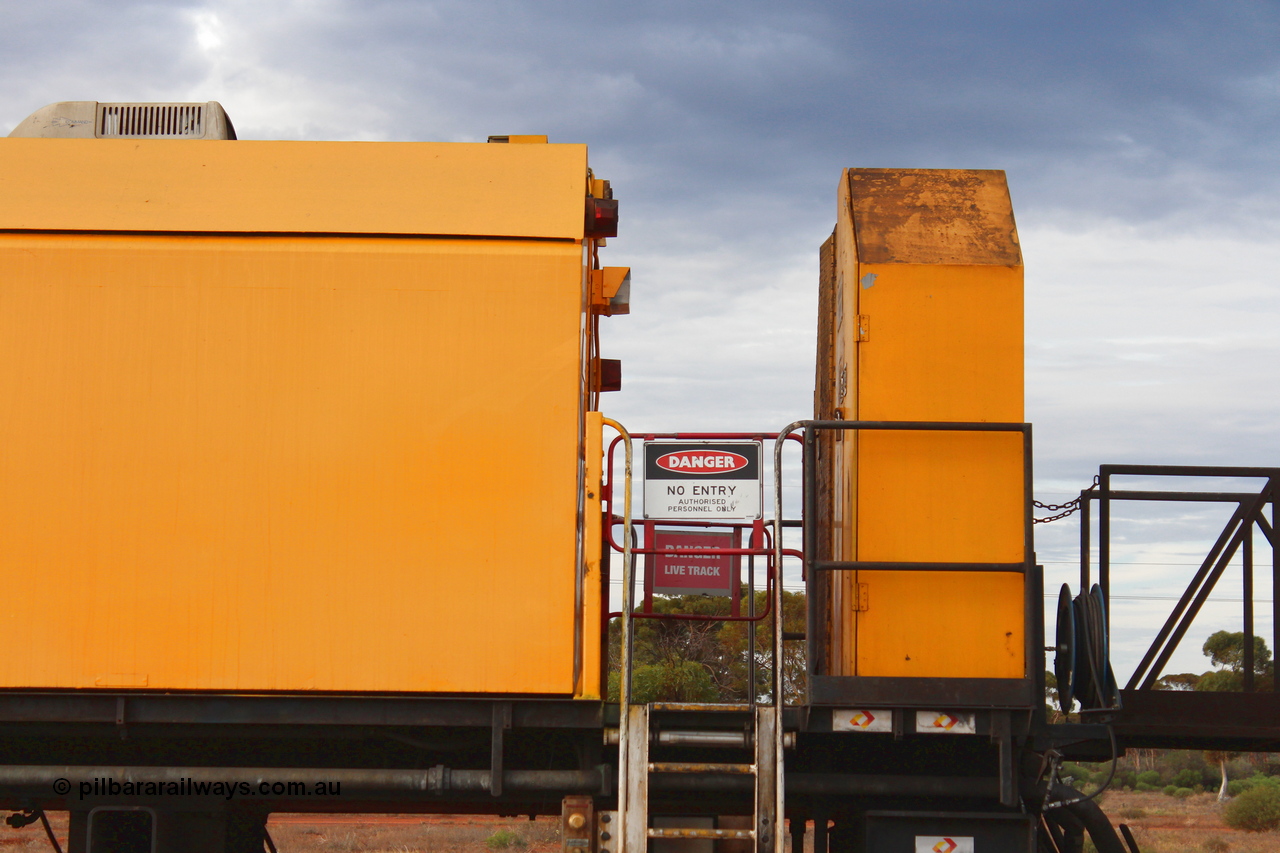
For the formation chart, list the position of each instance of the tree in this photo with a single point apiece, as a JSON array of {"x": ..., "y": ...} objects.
[
  {"x": 1052, "y": 706},
  {"x": 1226, "y": 650},
  {"x": 670, "y": 680},
  {"x": 734, "y": 637},
  {"x": 708, "y": 661},
  {"x": 1215, "y": 756},
  {"x": 1181, "y": 681}
]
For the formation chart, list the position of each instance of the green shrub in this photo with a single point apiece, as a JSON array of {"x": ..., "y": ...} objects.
[
  {"x": 1188, "y": 778},
  {"x": 1150, "y": 778},
  {"x": 504, "y": 839},
  {"x": 1145, "y": 786},
  {"x": 1183, "y": 793},
  {"x": 1133, "y": 813},
  {"x": 671, "y": 680},
  {"x": 1255, "y": 810},
  {"x": 1236, "y": 787},
  {"x": 1077, "y": 773},
  {"x": 1216, "y": 844},
  {"x": 1170, "y": 790}
]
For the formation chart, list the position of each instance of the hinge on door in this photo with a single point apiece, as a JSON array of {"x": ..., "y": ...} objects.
[
  {"x": 861, "y": 603},
  {"x": 864, "y": 327}
]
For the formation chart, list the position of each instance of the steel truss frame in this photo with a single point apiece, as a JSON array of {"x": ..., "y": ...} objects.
[{"x": 1189, "y": 719}]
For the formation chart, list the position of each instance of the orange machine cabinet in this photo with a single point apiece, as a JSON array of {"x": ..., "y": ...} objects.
[
  {"x": 927, "y": 299},
  {"x": 295, "y": 416}
]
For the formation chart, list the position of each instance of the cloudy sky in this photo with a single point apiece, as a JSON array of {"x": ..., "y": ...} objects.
[{"x": 1139, "y": 141}]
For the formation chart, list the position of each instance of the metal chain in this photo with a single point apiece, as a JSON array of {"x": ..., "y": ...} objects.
[{"x": 1062, "y": 510}]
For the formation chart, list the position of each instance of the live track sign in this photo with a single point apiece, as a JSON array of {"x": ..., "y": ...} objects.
[
  {"x": 681, "y": 566},
  {"x": 702, "y": 481}
]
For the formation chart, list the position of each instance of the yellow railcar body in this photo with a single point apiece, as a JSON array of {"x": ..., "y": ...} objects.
[
  {"x": 294, "y": 417},
  {"x": 928, "y": 278}
]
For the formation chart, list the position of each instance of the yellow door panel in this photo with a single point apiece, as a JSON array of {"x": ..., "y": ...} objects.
[
  {"x": 941, "y": 624},
  {"x": 290, "y": 463},
  {"x": 940, "y": 497},
  {"x": 944, "y": 343}
]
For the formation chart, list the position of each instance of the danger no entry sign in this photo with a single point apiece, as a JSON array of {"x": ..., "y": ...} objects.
[{"x": 702, "y": 481}]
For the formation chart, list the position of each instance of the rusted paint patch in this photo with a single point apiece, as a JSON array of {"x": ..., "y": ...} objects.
[{"x": 933, "y": 216}]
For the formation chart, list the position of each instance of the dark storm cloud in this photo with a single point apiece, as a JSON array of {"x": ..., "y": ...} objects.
[{"x": 764, "y": 96}]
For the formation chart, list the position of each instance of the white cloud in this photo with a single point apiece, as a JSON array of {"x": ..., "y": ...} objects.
[{"x": 208, "y": 31}]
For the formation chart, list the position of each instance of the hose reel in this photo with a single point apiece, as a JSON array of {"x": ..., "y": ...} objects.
[{"x": 1082, "y": 663}]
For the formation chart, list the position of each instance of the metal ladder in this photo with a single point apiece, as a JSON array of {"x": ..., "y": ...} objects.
[
  {"x": 635, "y": 735},
  {"x": 636, "y": 770}
]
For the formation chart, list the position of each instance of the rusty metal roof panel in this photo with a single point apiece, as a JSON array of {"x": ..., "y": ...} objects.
[{"x": 933, "y": 216}]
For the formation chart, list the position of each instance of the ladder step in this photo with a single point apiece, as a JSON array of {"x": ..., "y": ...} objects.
[
  {"x": 705, "y": 737},
  {"x": 699, "y": 706},
  {"x": 726, "y": 834},
  {"x": 696, "y": 767},
  {"x": 692, "y": 737}
]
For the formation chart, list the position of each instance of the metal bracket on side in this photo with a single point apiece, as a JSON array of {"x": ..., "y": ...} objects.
[
  {"x": 501, "y": 722},
  {"x": 121, "y": 725},
  {"x": 1001, "y": 727}
]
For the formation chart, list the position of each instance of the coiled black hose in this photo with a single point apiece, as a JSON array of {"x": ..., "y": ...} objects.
[{"x": 1084, "y": 659}]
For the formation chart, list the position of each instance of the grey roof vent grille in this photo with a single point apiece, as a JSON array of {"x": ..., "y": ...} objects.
[
  {"x": 89, "y": 119},
  {"x": 147, "y": 120}
]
